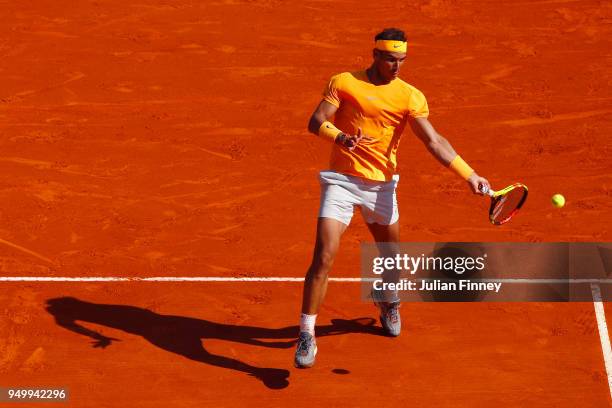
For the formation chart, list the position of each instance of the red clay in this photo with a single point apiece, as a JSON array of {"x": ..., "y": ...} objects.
[{"x": 163, "y": 139}]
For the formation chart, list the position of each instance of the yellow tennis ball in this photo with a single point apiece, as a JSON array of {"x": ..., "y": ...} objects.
[{"x": 558, "y": 200}]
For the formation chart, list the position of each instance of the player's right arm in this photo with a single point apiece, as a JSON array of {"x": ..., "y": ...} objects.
[{"x": 322, "y": 114}]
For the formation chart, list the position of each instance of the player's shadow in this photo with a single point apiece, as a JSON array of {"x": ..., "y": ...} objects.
[{"x": 184, "y": 335}]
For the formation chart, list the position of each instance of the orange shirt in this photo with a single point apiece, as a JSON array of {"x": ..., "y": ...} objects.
[{"x": 381, "y": 111}]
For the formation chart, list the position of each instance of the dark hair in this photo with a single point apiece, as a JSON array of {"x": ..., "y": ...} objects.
[{"x": 391, "y": 34}]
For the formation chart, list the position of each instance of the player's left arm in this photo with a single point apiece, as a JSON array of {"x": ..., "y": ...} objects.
[{"x": 442, "y": 150}]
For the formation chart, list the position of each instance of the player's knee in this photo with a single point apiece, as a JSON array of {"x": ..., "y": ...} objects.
[{"x": 322, "y": 262}]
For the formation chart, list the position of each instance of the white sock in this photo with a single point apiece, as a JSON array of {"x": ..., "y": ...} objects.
[{"x": 307, "y": 323}]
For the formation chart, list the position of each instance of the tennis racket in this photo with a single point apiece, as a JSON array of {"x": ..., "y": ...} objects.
[{"x": 505, "y": 203}]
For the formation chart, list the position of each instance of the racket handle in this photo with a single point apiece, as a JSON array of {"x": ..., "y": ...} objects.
[{"x": 484, "y": 189}]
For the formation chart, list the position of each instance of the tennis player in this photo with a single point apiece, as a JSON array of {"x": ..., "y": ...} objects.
[{"x": 371, "y": 109}]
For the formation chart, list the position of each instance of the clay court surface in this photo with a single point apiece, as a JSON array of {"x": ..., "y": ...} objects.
[{"x": 168, "y": 139}]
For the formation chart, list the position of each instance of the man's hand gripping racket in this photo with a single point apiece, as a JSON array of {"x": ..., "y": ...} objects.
[{"x": 505, "y": 203}]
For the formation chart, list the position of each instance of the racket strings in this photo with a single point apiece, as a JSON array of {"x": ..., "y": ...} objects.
[{"x": 507, "y": 204}]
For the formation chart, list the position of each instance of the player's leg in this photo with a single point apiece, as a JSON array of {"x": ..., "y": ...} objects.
[
  {"x": 385, "y": 233},
  {"x": 388, "y": 302},
  {"x": 387, "y": 238},
  {"x": 381, "y": 214},
  {"x": 335, "y": 212},
  {"x": 327, "y": 243}
]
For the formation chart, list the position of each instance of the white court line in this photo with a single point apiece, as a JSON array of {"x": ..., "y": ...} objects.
[
  {"x": 154, "y": 279},
  {"x": 604, "y": 337},
  {"x": 255, "y": 279}
]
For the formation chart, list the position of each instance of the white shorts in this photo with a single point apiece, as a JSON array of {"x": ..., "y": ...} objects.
[{"x": 340, "y": 193}]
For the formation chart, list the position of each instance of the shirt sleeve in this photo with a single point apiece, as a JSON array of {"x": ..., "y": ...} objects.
[
  {"x": 331, "y": 93},
  {"x": 418, "y": 105}
]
